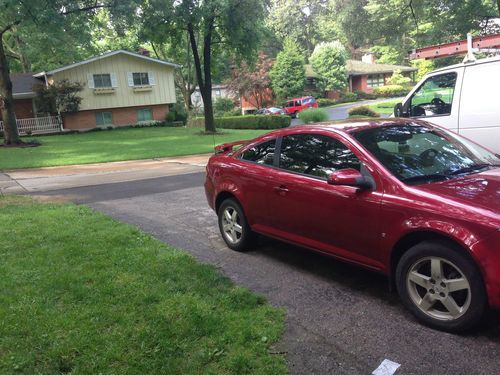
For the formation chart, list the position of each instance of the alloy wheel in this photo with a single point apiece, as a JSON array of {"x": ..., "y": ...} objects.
[{"x": 231, "y": 225}]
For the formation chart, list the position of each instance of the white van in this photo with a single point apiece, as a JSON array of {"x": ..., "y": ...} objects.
[{"x": 464, "y": 98}]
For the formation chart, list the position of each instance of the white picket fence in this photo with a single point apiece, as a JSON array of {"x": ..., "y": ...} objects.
[{"x": 37, "y": 125}]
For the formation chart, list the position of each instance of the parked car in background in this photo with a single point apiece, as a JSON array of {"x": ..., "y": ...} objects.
[
  {"x": 293, "y": 107},
  {"x": 270, "y": 111},
  {"x": 462, "y": 98},
  {"x": 413, "y": 201}
]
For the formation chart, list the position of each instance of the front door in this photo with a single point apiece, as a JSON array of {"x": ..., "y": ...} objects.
[{"x": 342, "y": 220}]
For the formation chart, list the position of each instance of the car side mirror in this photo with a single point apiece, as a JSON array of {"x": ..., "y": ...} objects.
[
  {"x": 350, "y": 177},
  {"x": 400, "y": 110}
]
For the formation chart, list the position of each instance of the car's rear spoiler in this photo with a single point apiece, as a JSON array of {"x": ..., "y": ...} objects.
[{"x": 228, "y": 147}]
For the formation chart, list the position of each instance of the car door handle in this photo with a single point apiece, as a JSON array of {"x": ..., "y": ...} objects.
[{"x": 281, "y": 190}]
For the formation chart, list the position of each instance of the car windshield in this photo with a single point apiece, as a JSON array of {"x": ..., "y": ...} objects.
[
  {"x": 418, "y": 154},
  {"x": 308, "y": 100}
]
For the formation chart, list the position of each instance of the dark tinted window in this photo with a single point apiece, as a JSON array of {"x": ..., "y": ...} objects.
[
  {"x": 434, "y": 97},
  {"x": 262, "y": 153},
  {"x": 315, "y": 155}
]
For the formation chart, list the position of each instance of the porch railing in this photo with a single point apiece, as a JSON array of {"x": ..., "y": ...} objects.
[{"x": 37, "y": 125}]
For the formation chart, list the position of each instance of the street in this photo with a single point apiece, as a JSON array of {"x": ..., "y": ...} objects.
[{"x": 340, "y": 319}]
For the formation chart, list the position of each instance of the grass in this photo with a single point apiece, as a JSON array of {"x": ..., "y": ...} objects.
[
  {"x": 384, "y": 107},
  {"x": 85, "y": 294},
  {"x": 117, "y": 145}
]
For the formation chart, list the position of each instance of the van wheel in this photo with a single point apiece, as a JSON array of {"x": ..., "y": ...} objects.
[
  {"x": 441, "y": 286},
  {"x": 233, "y": 225}
]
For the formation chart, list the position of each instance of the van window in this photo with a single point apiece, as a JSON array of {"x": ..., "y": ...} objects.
[{"x": 434, "y": 97}]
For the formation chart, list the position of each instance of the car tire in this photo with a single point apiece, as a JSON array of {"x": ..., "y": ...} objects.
[
  {"x": 441, "y": 286},
  {"x": 233, "y": 226}
]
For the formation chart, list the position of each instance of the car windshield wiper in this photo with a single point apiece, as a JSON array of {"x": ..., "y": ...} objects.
[
  {"x": 470, "y": 169},
  {"x": 426, "y": 178}
]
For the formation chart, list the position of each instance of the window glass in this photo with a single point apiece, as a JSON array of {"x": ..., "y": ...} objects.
[
  {"x": 140, "y": 79},
  {"x": 145, "y": 114},
  {"x": 315, "y": 155},
  {"x": 434, "y": 97},
  {"x": 103, "y": 118},
  {"x": 102, "y": 80},
  {"x": 375, "y": 80},
  {"x": 418, "y": 154},
  {"x": 262, "y": 153}
]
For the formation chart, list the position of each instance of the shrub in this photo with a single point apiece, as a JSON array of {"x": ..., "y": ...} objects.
[
  {"x": 236, "y": 111},
  {"x": 365, "y": 95},
  {"x": 391, "y": 91},
  {"x": 223, "y": 105},
  {"x": 398, "y": 78},
  {"x": 348, "y": 97},
  {"x": 326, "y": 102},
  {"x": 245, "y": 122},
  {"x": 310, "y": 115},
  {"x": 364, "y": 111},
  {"x": 176, "y": 112}
]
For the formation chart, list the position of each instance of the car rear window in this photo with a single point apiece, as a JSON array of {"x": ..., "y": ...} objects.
[{"x": 308, "y": 101}]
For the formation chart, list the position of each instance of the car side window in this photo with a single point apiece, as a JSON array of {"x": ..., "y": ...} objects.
[
  {"x": 434, "y": 97},
  {"x": 262, "y": 153},
  {"x": 315, "y": 155}
]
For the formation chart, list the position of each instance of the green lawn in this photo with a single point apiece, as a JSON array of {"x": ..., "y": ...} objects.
[
  {"x": 115, "y": 145},
  {"x": 84, "y": 294},
  {"x": 384, "y": 107}
]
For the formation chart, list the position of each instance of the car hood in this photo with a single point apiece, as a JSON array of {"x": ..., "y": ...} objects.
[{"x": 479, "y": 190}]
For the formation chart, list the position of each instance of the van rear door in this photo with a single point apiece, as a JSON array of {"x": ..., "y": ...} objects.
[{"x": 479, "y": 117}]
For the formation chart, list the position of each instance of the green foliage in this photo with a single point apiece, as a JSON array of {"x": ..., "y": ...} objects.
[
  {"x": 236, "y": 111},
  {"x": 247, "y": 122},
  {"x": 384, "y": 107},
  {"x": 177, "y": 113},
  {"x": 288, "y": 75},
  {"x": 390, "y": 91},
  {"x": 61, "y": 96},
  {"x": 329, "y": 62},
  {"x": 105, "y": 297},
  {"x": 361, "y": 95},
  {"x": 398, "y": 79},
  {"x": 322, "y": 102},
  {"x": 312, "y": 115},
  {"x": 424, "y": 67},
  {"x": 364, "y": 111},
  {"x": 348, "y": 97},
  {"x": 223, "y": 105},
  {"x": 388, "y": 54}
]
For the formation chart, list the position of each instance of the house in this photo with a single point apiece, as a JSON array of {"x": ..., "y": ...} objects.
[
  {"x": 364, "y": 75},
  {"x": 23, "y": 85},
  {"x": 120, "y": 88},
  {"x": 218, "y": 91}
]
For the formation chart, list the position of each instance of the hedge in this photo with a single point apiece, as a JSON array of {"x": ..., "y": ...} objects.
[
  {"x": 363, "y": 110},
  {"x": 391, "y": 91},
  {"x": 326, "y": 102},
  {"x": 245, "y": 122}
]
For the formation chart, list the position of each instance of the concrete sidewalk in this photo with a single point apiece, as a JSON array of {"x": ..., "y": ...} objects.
[{"x": 54, "y": 178}]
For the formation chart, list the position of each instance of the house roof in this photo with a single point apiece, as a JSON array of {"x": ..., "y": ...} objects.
[
  {"x": 106, "y": 55},
  {"x": 358, "y": 68},
  {"x": 22, "y": 84}
]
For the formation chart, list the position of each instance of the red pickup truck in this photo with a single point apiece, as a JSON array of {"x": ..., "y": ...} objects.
[{"x": 293, "y": 106}]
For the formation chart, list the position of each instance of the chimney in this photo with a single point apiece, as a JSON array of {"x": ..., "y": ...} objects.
[
  {"x": 143, "y": 52},
  {"x": 368, "y": 58}
]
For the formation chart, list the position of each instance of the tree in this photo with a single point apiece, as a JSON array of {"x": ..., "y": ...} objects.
[
  {"x": 253, "y": 83},
  {"x": 397, "y": 78},
  {"x": 212, "y": 26},
  {"x": 28, "y": 19},
  {"x": 329, "y": 62},
  {"x": 288, "y": 74},
  {"x": 60, "y": 97}
]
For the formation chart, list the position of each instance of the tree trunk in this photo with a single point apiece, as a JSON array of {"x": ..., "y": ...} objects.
[
  {"x": 498, "y": 7},
  {"x": 11, "y": 134}
]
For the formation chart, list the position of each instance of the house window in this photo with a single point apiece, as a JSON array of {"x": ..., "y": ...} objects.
[
  {"x": 144, "y": 114},
  {"x": 375, "y": 80},
  {"x": 102, "y": 80},
  {"x": 141, "y": 79},
  {"x": 103, "y": 118}
]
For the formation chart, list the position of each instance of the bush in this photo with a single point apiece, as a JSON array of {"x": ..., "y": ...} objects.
[
  {"x": 223, "y": 105},
  {"x": 310, "y": 115},
  {"x": 245, "y": 122},
  {"x": 236, "y": 111},
  {"x": 176, "y": 112},
  {"x": 365, "y": 95},
  {"x": 398, "y": 78},
  {"x": 326, "y": 102},
  {"x": 348, "y": 97},
  {"x": 364, "y": 111},
  {"x": 390, "y": 91}
]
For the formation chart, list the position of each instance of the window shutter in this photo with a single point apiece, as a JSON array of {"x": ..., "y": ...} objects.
[
  {"x": 130, "y": 79},
  {"x": 90, "y": 81},
  {"x": 151, "y": 78},
  {"x": 114, "y": 80}
]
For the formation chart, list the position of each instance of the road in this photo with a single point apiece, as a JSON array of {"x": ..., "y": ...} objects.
[
  {"x": 340, "y": 112},
  {"x": 340, "y": 319}
]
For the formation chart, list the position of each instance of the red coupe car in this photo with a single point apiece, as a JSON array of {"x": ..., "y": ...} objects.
[{"x": 411, "y": 200}]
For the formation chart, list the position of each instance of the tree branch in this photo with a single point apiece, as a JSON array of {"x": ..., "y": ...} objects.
[
  {"x": 8, "y": 27},
  {"x": 86, "y": 9}
]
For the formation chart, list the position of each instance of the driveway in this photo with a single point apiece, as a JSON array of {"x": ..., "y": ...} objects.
[
  {"x": 340, "y": 112},
  {"x": 340, "y": 319}
]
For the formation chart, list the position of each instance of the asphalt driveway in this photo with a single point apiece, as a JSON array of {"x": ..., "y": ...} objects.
[{"x": 340, "y": 319}]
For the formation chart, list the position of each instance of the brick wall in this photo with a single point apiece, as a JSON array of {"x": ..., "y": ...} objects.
[
  {"x": 23, "y": 108},
  {"x": 84, "y": 120}
]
